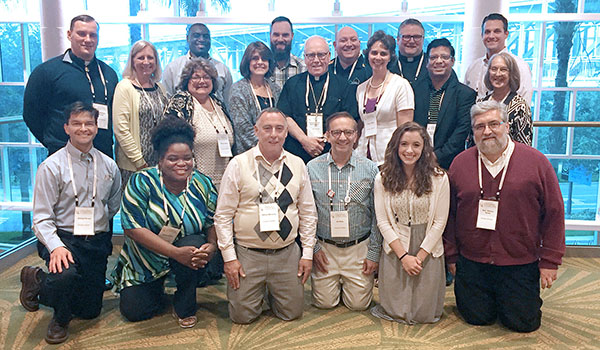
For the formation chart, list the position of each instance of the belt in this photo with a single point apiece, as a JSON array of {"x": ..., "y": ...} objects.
[
  {"x": 344, "y": 244},
  {"x": 267, "y": 251}
]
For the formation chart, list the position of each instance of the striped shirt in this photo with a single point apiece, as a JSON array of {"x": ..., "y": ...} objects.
[
  {"x": 142, "y": 207},
  {"x": 361, "y": 210}
]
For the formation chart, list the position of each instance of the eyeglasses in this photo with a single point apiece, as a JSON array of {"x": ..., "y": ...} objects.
[
  {"x": 443, "y": 57},
  {"x": 337, "y": 133},
  {"x": 417, "y": 37},
  {"x": 196, "y": 78},
  {"x": 312, "y": 55},
  {"x": 494, "y": 126},
  {"x": 502, "y": 70}
]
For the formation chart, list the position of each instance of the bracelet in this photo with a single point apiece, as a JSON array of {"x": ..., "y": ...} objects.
[{"x": 405, "y": 254}]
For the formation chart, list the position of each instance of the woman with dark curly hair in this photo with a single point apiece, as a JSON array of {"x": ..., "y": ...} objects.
[
  {"x": 167, "y": 216},
  {"x": 195, "y": 102},
  {"x": 385, "y": 101},
  {"x": 412, "y": 199}
]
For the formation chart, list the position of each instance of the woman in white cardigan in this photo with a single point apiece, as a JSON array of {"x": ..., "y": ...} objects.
[
  {"x": 138, "y": 106},
  {"x": 412, "y": 199}
]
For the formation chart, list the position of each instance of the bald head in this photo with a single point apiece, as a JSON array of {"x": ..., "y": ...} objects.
[
  {"x": 347, "y": 46},
  {"x": 316, "y": 55}
]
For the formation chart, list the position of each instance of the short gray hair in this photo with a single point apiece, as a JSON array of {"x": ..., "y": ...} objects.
[{"x": 486, "y": 106}]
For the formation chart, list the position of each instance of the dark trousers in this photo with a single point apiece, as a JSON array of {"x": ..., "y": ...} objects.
[
  {"x": 141, "y": 302},
  {"x": 487, "y": 292},
  {"x": 77, "y": 290}
]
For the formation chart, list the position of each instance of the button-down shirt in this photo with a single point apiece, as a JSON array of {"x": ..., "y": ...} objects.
[
  {"x": 361, "y": 210},
  {"x": 54, "y": 200},
  {"x": 496, "y": 167},
  {"x": 294, "y": 66}
]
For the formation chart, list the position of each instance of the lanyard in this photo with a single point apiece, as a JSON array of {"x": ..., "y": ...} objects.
[
  {"x": 418, "y": 67},
  {"x": 351, "y": 69},
  {"x": 379, "y": 92},
  {"x": 146, "y": 96},
  {"x": 209, "y": 117},
  {"x": 87, "y": 74},
  {"x": 501, "y": 179},
  {"x": 331, "y": 193},
  {"x": 260, "y": 186},
  {"x": 322, "y": 98},
  {"x": 165, "y": 207},
  {"x": 73, "y": 179},
  {"x": 256, "y": 97}
]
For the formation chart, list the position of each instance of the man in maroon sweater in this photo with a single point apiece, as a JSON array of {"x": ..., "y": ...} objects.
[{"x": 506, "y": 228}]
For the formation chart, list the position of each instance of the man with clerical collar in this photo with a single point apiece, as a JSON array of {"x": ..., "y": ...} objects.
[
  {"x": 349, "y": 243},
  {"x": 349, "y": 63},
  {"x": 307, "y": 99},
  {"x": 411, "y": 59},
  {"x": 288, "y": 65},
  {"x": 76, "y": 75},
  {"x": 442, "y": 103},
  {"x": 77, "y": 191},
  {"x": 265, "y": 202},
  {"x": 494, "y": 32},
  {"x": 199, "y": 42},
  {"x": 506, "y": 229}
]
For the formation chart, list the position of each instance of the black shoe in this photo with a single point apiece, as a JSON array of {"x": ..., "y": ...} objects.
[
  {"x": 57, "y": 333},
  {"x": 449, "y": 278},
  {"x": 108, "y": 284},
  {"x": 30, "y": 288}
]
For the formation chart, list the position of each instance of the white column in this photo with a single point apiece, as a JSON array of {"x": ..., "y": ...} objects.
[
  {"x": 475, "y": 11},
  {"x": 55, "y": 17}
]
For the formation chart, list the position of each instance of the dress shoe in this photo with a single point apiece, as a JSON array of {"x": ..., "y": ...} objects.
[
  {"x": 57, "y": 333},
  {"x": 108, "y": 284},
  {"x": 30, "y": 288}
]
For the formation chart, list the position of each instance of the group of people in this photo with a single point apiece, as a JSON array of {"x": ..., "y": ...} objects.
[{"x": 330, "y": 169}]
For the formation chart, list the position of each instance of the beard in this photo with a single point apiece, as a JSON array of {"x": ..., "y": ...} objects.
[
  {"x": 492, "y": 145},
  {"x": 281, "y": 55}
]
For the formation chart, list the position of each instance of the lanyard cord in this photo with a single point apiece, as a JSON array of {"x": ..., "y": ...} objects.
[
  {"x": 322, "y": 98},
  {"x": 480, "y": 176},
  {"x": 351, "y": 69},
  {"x": 165, "y": 207},
  {"x": 87, "y": 74},
  {"x": 256, "y": 96},
  {"x": 210, "y": 119},
  {"x": 380, "y": 92},
  {"x": 73, "y": 179},
  {"x": 331, "y": 193},
  {"x": 146, "y": 96},
  {"x": 418, "y": 67},
  {"x": 260, "y": 186}
]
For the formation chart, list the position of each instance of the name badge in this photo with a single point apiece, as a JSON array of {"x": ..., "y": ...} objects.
[
  {"x": 487, "y": 214},
  {"x": 269, "y": 217},
  {"x": 102, "y": 115},
  {"x": 339, "y": 224},
  {"x": 314, "y": 125},
  {"x": 84, "y": 221},
  {"x": 224, "y": 146},
  {"x": 168, "y": 233},
  {"x": 431, "y": 131},
  {"x": 370, "y": 124}
]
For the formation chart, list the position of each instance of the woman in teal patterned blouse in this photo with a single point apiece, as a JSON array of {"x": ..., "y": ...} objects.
[{"x": 167, "y": 216}]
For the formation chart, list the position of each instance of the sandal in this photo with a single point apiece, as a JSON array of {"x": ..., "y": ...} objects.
[{"x": 187, "y": 322}]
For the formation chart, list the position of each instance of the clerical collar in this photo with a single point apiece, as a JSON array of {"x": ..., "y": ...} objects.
[
  {"x": 319, "y": 78},
  {"x": 409, "y": 59}
]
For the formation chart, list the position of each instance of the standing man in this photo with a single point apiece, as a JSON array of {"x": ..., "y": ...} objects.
[
  {"x": 77, "y": 192},
  {"x": 349, "y": 63},
  {"x": 198, "y": 39},
  {"x": 76, "y": 75},
  {"x": 265, "y": 201},
  {"x": 506, "y": 228},
  {"x": 307, "y": 99},
  {"x": 347, "y": 252},
  {"x": 442, "y": 103},
  {"x": 494, "y": 32},
  {"x": 411, "y": 60},
  {"x": 288, "y": 65}
]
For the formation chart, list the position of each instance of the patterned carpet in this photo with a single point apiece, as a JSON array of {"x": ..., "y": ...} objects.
[{"x": 571, "y": 320}]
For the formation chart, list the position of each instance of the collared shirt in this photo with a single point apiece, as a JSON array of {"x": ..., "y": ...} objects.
[
  {"x": 54, "y": 200},
  {"x": 476, "y": 74},
  {"x": 294, "y": 66},
  {"x": 411, "y": 68},
  {"x": 496, "y": 167},
  {"x": 230, "y": 204},
  {"x": 360, "y": 73},
  {"x": 361, "y": 210},
  {"x": 172, "y": 74}
]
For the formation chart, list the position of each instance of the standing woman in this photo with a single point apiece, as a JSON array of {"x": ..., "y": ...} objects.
[
  {"x": 385, "y": 101},
  {"x": 503, "y": 79},
  {"x": 251, "y": 94},
  {"x": 195, "y": 102},
  {"x": 138, "y": 106},
  {"x": 412, "y": 199},
  {"x": 167, "y": 216}
]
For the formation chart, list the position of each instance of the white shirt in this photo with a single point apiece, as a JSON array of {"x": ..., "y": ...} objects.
[{"x": 496, "y": 167}]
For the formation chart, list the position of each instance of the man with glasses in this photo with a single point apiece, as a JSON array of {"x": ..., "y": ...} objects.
[
  {"x": 307, "y": 99},
  {"x": 349, "y": 63},
  {"x": 411, "y": 60},
  {"x": 346, "y": 254},
  {"x": 442, "y": 103},
  {"x": 199, "y": 42},
  {"x": 288, "y": 65},
  {"x": 494, "y": 32},
  {"x": 506, "y": 229}
]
